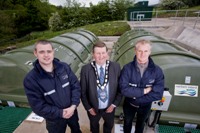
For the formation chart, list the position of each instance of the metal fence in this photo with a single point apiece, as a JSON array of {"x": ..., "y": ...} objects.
[{"x": 167, "y": 18}]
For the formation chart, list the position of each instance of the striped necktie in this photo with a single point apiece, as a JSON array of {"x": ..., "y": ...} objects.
[
  {"x": 102, "y": 93},
  {"x": 101, "y": 76}
]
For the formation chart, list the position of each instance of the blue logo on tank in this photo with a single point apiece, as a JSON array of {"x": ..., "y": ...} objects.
[{"x": 190, "y": 92}]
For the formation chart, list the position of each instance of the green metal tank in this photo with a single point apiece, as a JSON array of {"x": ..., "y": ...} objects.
[
  {"x": 181, "y": 69},
  {"x": 73, "y": 48}
]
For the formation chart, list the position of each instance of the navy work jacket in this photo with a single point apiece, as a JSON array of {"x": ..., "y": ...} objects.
[
  {"x": 49, "y": 95},
  {"x": 132, "y": 85}
]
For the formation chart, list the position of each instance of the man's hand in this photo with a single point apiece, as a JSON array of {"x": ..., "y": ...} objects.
[
  {"x": 110, "y": 109},
  {"x": 147, "y": 90},
  {"x": 68, "y": 112},
  {"x": 92, "y": 111}
]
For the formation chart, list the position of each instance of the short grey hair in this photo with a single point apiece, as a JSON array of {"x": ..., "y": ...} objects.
[{"x": 143, "y": 42}]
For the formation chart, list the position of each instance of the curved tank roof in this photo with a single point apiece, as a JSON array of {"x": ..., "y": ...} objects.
[
  {"x": 178, "y": 66},
  {"x": 73, "y": 48}
]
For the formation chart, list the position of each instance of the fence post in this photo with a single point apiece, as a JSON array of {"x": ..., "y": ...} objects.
[
  {"x": 186, "y": 12},
  {"x": 176, "y": 16},
  {"x": 156, "y": 18},
  {"x": 196, "y": 19}
]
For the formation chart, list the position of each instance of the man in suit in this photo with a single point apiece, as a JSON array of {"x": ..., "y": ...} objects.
[{"x": 99, "y": 88}]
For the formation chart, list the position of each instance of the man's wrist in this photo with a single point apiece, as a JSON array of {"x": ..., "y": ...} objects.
[
  {"x": 145, "y": 91},
  {"x": 73, "y": 106},
  {"x": 90, "y": 109},
  {"x": 113, "y": 105}
]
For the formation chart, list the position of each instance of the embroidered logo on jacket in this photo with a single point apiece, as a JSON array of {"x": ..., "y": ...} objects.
[
  {"x": 64, "y": 76},
  {"x": 151, "y": 81}
]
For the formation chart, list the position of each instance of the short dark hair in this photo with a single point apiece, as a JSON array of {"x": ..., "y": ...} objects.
[
  {"x": 43, "y": 42},
  {"x": 99, "y": 44}
]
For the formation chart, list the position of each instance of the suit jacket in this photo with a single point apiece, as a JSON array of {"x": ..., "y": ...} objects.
[{"x": 88, "y": 82}]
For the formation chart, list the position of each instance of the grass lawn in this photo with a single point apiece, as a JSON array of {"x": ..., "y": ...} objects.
[{"x": 113, "y": 28}]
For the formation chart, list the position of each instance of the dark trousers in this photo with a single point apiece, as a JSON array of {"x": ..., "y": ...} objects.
[
  {"x": 108, "y": 121},
  {"x": 129, "y": 114},
  {"x": 60, "y": 125}
]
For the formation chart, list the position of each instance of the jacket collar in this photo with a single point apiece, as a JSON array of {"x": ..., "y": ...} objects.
[
  {"x": 37, "y": 66},
  {"x": 150, "y": 65}
]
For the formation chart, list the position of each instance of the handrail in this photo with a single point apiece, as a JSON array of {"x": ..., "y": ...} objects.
[{"x": 176, "y": 15}]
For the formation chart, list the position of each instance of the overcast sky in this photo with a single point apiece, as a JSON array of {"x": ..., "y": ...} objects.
[{"x": 86, "y": 2}]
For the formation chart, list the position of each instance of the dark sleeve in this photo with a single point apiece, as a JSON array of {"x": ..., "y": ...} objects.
[
  {"x": 157, "y": 88},
  {"x": 118, "y": 97},
  {"x": 38, "y": 103},
  {"x": 124, "y": 83},
  {"x": 75, "y": 87},
  {"x": 84, "y": 86}
]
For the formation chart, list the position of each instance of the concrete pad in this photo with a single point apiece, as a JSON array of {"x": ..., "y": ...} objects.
[
  {"x": 172, "y": 32},
  {"x": 108, "y": 38},
  {"x": 190, "y": 36},
  {"x": 186, "y": 37}
]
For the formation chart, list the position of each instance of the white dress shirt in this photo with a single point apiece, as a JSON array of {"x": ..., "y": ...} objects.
[{"x": 103, "y": 105}]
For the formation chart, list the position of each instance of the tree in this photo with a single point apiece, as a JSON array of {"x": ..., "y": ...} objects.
[
  {"x": 73, "y": 15},
  {"x": 6, "y": 4},
  {"x": 101, "y": 12},
  {"x": 191, "y": 3},
  {"x": 55, "y": 22},
  {"x": 34, "y": 18},
  {"x": 21, "y": 17},
  {"x": 7, "y": 29},
  {"x": 72, "y": 3},
  {"x": 119, "y": 7},
  {"x": 172, "y": 4}
]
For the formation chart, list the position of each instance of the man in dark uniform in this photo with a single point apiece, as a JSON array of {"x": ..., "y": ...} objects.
[{"x": 53, "y": 90}]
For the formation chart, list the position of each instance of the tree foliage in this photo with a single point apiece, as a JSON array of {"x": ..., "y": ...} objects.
[
  {"x": 101, "y": 12},
  {"x": 119, "y": 7},
  {"x": 191, "y": 3},
  {"x": 73, "y": 15},
  {"x": 55, "y": 22},
  {"x": 21, "y": 17},
  {"x": 7, "y": 26},
  {"x": 172, "y": 4},
  {"x": 27, "y": 16},
  {"x": 177, "y": 4}
]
